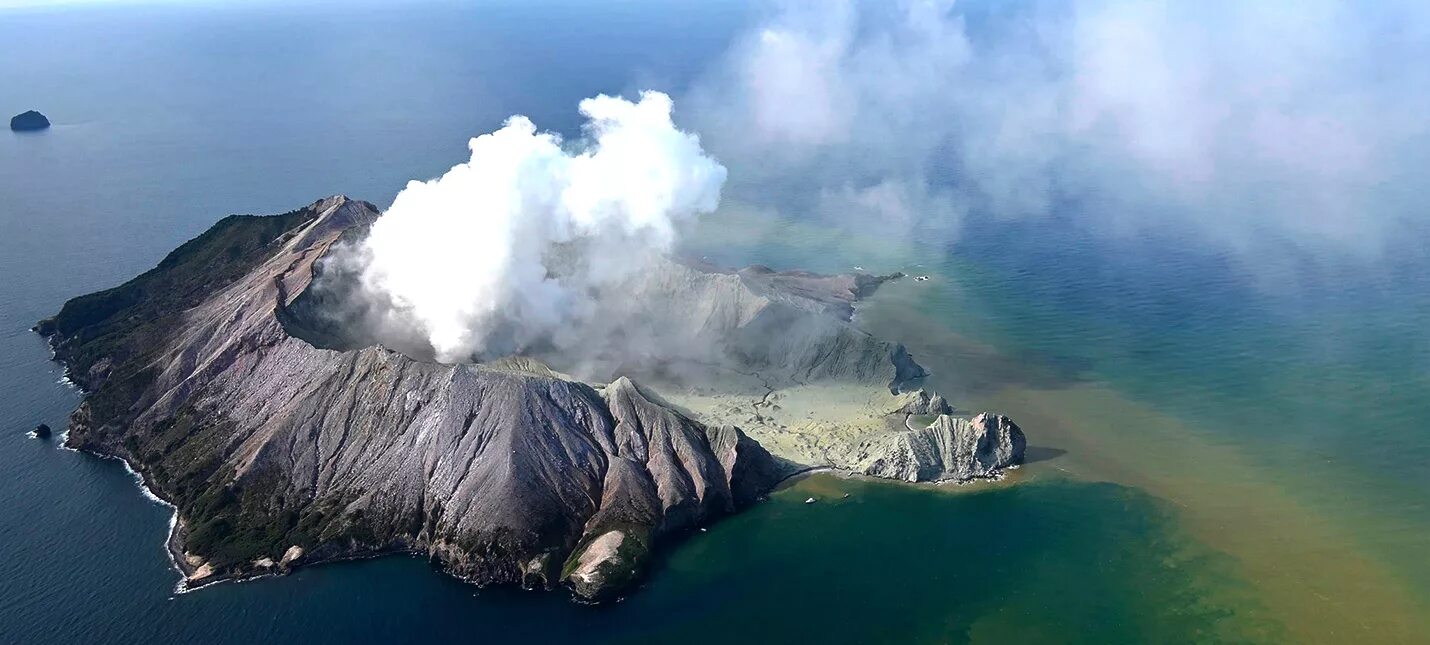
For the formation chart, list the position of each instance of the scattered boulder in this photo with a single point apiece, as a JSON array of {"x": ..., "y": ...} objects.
[
  {"x": 948, "y": 449},
  {"x": 30, "y": 120},
  {"x": 42, "y": 431}
]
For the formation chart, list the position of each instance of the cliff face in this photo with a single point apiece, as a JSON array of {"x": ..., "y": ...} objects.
[
  {"x": 950, "y": 448},
  {"x": 505, "y": 474}
]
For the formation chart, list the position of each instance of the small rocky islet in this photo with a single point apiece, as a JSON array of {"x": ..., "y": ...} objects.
[
  {"x": 29, "y": 121},
  {"x": 282, "y": 440}
]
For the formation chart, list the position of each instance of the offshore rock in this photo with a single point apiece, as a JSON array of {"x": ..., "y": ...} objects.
[
  {"x": 29, "y": 120},
  {"x": 948, "y": 449}
]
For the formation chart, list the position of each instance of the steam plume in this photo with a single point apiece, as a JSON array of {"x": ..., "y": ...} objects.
[
  {"x": 507, "y": 249},
  {"x": 1262, "y": 126}
]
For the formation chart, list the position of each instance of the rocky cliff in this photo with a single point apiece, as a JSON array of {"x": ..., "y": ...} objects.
[
  {"x": 949, "y": 449},
  {"x": 278, "y": 453}
]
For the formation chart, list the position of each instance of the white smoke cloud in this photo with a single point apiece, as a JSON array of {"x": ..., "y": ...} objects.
[
  {"x": 1262, "y": 124},
  {"x": 1266, "y": 126},
  {"x": 504, "y": 250}
]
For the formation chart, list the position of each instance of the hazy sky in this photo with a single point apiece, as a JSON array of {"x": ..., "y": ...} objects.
[{"x": 18, "y": 4}]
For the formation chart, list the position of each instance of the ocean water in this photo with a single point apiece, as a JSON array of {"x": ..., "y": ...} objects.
[
  {"x": 1212, "y": 460},
  {"x": 1285, "y": 429}
]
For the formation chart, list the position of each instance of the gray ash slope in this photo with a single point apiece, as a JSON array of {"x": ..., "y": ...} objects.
[{"x": 279, "y": 452}]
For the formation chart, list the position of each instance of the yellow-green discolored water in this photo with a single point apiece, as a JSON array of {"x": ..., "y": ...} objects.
[{"x": 1324, "y": 545}]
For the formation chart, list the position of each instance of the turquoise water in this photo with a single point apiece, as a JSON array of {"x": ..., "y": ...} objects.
[
  {"x": 1288, "y": 423},
  {"x": 1177, "y": 395},
  {"x": 1322, "y": 381}
]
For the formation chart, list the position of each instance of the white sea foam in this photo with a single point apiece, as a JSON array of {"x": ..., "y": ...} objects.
[{"x": 180, "y": 586}]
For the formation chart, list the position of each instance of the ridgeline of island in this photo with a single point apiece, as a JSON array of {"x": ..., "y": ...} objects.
[{"x": 283, "y": 438}]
